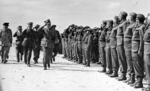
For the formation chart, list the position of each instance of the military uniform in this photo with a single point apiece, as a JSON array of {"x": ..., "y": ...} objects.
[
  {"x": 48, "y": 41},
  {"x": 83, "y": 48},
  {"x": 108, "y": 48},
  {"x": 6, "y": 41},
  {"x": 147, "y": 55},
  {"x": 102, "y": 49},
  {"x": 19, "y": 48},
  {"x": 120, "y": 47},
  {"x": 95, "y": 51},
  {"x": 127, "y": 45},
  {"x": 99, "y": 62},
  {"x": 79, "y": 49},
  {"x": 113, "y": 45},
  {"x": 57, "y": 48},
  {"x": 137, "y": 52},
  {"x": 28, "y": 44},
  {"x": 88, "y": 48},
  {"x": 37, "y": 47}
]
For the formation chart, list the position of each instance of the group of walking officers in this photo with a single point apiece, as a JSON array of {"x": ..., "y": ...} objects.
[
  {"x": 31, "y": 39},
  {"x": 118, "y": 44}
]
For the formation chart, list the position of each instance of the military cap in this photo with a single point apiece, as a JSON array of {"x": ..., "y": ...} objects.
[
  {"x": 47, "y": 21},
  {"x": 133, "y": 14},
  {"x": 37, "y": 25},
  {"x": 53, "y": 26},
  {"x": 141, "y": 17},
  {"x": 30, "y": 23},
  {"x": 124, "y": 14},
  {"x": 19, "y": 27},
  {"x": 6, "y": 24}
]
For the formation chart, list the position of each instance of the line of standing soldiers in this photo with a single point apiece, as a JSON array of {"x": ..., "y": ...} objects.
[
  {"x": 31, "y": 39},
  {"x": 119, "y": 44}
]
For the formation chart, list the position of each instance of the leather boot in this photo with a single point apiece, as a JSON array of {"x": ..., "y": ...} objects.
[
  {"x": 132, "y": 80},
  {"x": 109, "y": 72},
  {"x": 126, "y": 81},
  {"x": 103, "y": 70},
  {"x": 139, "y": 83},
  {"x": 114, "y": 74},
  {"x": 123, "y": 77},
  {"x": 99, "y": 63}
]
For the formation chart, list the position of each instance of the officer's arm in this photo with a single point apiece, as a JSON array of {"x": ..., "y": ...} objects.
[
  {"x": 141, "y": 32},
  {"x": 41, "y": 29},
  {"x": 15, "y": 34},
  {"x": 125, "y": 26},
  {"x": 89, "y": 42},
  {"x": 10, "y": 37},
  {"x": 58, "y": 35}
]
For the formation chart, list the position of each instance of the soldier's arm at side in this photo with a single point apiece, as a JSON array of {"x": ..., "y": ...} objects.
[
  {"x": 89, "y": 42},
  {"x": 125, "y": 26},
  {"x": 15, "y": 34},
  {"x": 141, "y": 31},
  {"x": 10, "y": 37}
]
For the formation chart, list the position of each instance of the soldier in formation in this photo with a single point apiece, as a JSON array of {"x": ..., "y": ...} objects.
[{"x": 120, "y": 45}]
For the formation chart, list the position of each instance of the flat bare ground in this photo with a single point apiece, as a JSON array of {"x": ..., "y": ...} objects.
[{"x": 62, "y": 76}]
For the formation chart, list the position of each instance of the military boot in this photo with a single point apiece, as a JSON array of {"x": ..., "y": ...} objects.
[
  {"x": 114, "y": 74},
  {"x": 132, "y": 80},
  {"x": 123, "y": 77},
  {"x": 109, "y": 72},
  {"x": 139, "y": 83},
  {"x": 103, "y": 69}
]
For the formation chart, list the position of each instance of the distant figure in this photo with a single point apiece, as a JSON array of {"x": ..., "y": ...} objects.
[
  {"x": 19, "y": 39},
  {"x": 6, "y": 41}
]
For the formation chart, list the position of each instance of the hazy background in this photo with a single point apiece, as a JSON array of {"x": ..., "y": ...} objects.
[{"x": 65, "y": 12}]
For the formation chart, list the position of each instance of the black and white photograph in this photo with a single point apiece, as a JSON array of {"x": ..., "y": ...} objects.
[{"x": 74, "y": 45}]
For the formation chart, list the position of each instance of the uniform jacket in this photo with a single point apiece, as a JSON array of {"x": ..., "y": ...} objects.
[
  {"x": 28, "y": 38},
  {"x": 137, "y": 37},
  {"x": 19, "y": 37},
  {"x": 88, "y": 42},
  {"x": 107, "y": 38},
  {"x": 120, "y": 32},
  {"x": 6, "y": 37},
  {"x": 129, "y": 31},
  {"x": 113, "y": 40},
  {"x": 49, "y": 37},
  {"x": 102, "y": 38}
]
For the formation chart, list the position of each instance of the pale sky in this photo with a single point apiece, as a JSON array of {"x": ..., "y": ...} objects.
[{"x": 66, "y": 12}]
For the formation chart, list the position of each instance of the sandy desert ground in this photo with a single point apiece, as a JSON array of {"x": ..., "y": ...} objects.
[{"x": 62, "y": 76}]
